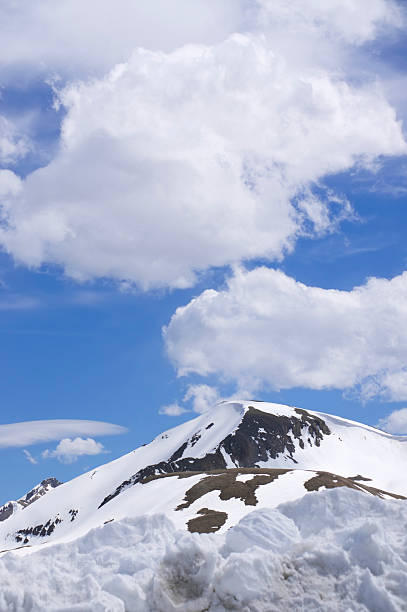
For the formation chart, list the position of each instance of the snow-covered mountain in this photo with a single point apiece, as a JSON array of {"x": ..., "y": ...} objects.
[
  {"x": 208, "y": 473},
  {"x": 11, "y": 507}
]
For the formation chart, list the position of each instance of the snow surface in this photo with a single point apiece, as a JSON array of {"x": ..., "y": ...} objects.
[{"x": 339, "y": 550}]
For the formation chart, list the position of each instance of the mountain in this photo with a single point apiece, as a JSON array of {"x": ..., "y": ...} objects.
[
  {"x": 36, "y": 493},
  {"x": 208, "y": 473}
]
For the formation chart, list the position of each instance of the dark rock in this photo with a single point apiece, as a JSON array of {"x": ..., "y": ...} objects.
[{"x": 260, "y": 436}]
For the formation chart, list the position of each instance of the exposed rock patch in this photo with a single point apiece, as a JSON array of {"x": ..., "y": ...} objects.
[
  {"x": 42, "y": 530},
  {"x": 210, "y": 521},
  {"x": 6, "y": 511},
  {"x": 38, "y": 491}
]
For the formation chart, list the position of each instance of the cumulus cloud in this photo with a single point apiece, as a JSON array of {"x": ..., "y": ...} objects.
[
  {"x": 27, "y": 433},
  {"x": 203, "y": 397},
  {"x": 68, "y": 451},
  {"x": 395, "y": 422},
  {"x": 266, "y": 329},
  {"x": 56, "y": 39},
  {"x": 198, "y": 398},
  {"x": 204, "y": 156}
]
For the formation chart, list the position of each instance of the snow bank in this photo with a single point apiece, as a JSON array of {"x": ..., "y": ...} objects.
[{"x": 329, "y": 551}]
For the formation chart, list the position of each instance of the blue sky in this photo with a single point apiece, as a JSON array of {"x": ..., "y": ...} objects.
[{"x": 309, "y": 179}]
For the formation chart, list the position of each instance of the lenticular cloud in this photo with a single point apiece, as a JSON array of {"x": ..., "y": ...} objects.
[
  {"x": 175, "y": 162},
  {"x": 36, "y": 432}
]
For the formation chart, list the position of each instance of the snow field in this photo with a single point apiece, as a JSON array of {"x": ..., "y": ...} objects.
[{"x": 337, "y": 550}]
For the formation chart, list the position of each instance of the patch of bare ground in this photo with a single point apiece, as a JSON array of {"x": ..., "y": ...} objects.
[
  {"x": 209, "y": 521},
  {"x": 331, "y": 481},
  {"x": 229, "y": 487}
]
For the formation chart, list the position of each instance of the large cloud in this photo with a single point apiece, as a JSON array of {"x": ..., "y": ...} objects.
[
  {"x": 76, "y": 38},
  {"x": 266, "y": 329},
  {"x": 176, "y": 162}
]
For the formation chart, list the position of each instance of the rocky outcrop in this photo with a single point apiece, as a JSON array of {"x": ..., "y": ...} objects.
[{"x": 259, "y": 437}]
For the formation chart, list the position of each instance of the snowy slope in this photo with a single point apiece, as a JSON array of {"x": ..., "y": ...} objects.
[{"x": 232, "y": 435}]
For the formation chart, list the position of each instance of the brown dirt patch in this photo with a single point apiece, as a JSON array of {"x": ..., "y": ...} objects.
[
  {"x": 210, "y": 521},
  {"x": 331, "y": 481}
]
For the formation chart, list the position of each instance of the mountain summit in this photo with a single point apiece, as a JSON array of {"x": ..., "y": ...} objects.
[{"x": 38, "y": 491}]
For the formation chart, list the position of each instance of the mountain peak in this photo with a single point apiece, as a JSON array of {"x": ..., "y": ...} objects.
[
  {"x": 213, "y": 468},
  {"x": 11, "y": 507}
]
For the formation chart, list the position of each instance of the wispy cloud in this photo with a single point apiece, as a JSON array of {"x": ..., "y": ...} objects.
[
  {"x": 18, "y": 302},
  {"x": 27, "y": 433},
  {"x": 29, "y": 457}
]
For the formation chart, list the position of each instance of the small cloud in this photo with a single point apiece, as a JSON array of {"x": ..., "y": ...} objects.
[
  {"x": 68, "y": 450},
  {"x": 200, "y": 397},
  {"x": 395, "y": 422},
  {"x": 203, "y": 397},
  {"x": 29, "y": 457},
  {"x": 172, "y": 410}
]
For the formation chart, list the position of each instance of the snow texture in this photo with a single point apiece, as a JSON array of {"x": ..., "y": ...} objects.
[{"x": 329, "y": 551}]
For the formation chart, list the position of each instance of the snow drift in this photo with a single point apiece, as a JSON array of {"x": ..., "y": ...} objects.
[{"x": 329, "y": 551}]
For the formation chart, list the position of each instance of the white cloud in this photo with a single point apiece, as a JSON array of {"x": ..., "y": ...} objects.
[
  {"x": 10, "y": 184},
  {"x": 173, "y": 410},
  {"x": 69, "y": 36},
  {"x": 35, "y": 432},
  {"x": 13, "y": 145},
  {"x": 198, "y": 398},
  {"x": 68, "y": 451},
  {"x": 29, "y": 457},
  {"x": 266, "y": 329},
  {"x": 176, "y": 162},
  {"x": 395, "y": 422},
  {"x": 353, "y": 22},
  {"x": 203, "y": 397}
]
